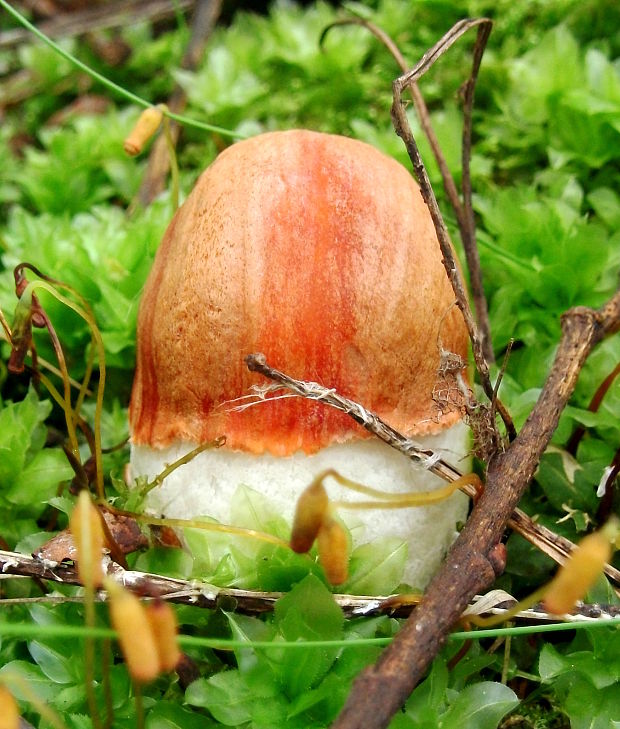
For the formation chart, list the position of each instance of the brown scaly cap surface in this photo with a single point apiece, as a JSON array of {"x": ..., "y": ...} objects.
[{"x": 318, "y": 251}]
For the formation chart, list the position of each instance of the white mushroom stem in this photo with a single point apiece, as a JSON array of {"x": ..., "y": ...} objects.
[{"x": 207, "y": 485}]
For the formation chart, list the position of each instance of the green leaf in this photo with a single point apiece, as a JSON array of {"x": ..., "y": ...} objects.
[
  {"x": 480, "y": 706},
  {"x": 428, "y": 700},
  {"x": 70, "y": 697},
  {"x": 40, "y": 478},
  {"x": 606, "y": 204},
  {"x": 164, "y": 560},
  {"x": 18, "y": 424},
  {"x": 279, "y": 569},
  {"x": 467, "y": 669},
  {"x": 78, "y": 721},
  {"x": 561, "y": 486},
  {"x": 377, "y": 568},
  {"x": 600, "y": 667},
  {"x": 602, "y": 592},
  {"x": 169, "y": 715},
  {"x": 252, "y": 510},
  {"x": 225, "y": 695},
  {"x": 249, "y": 629},
  {"x": 223, "y": 84},
  {"x": 54, "y": 665},
  {"x": 31, "y": 677},
  {"x": 32, "y": 542},
  {"x": 551, "y": 663},
  {"x": 62, "y": 503},
  {"x": 308, "y": 612},
  {"x": 206, "y": 547},
  {"x": 237, "y": 568},
  {"x": 310, "y": 699},
  {"x": 590, "y": 709}
]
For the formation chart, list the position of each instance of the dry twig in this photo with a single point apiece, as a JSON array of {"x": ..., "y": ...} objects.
[
  {"x": 403, "y": 129},
  {"x": 373, "y": 423},
  {"x": 249, "y": 602},
  {"x": 420, "y": 107},
  {"x": 380, "y": 690},
  {"x": 553, "y": 545}
]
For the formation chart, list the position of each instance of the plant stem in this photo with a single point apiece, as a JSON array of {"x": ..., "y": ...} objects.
[
  {"x": 88, "y": 318},
  {"x": 388, "y": 499},
  {"x": 137, "y": 689},
  {"x": 506, "y": 661},
  {"x": 174, "y": 167},
  {"x": 106, "y": 656},
  {"x": 89, "y": 657},
  {"x": 208, "y": 526},
  {"x": 159, "y": 479},
  {"x": 110, "y": 84}
]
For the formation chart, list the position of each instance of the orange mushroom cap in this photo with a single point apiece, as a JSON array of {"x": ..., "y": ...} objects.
[{"x": 318, "y": 251}]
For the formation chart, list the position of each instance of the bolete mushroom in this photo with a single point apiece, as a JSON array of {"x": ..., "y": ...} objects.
[{"x": 318, "y": 251}]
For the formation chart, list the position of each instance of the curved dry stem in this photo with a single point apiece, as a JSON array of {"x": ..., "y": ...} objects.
[
  {"x": 525, "y": 604},
  {"x": 403, "y": 129},
  {"x": 159, "y": 479},
  {"x": 74, "y": 462},
  {"x": 387, "y": 500},
  {"x": 468, "y": 226},
  {"x": 420, "y": 107},
  {"x": 172, "y": 156},
  {"x": 196, "y": 524},
  {"x": 60, "y": 356},
  {"x": 83, "y": 391},
  {"x": 5, "y": 335},
  {"x": 87, "y": 316}
]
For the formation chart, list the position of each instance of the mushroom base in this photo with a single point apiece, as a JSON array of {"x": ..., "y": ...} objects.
[{"x": 206, "y": 485}]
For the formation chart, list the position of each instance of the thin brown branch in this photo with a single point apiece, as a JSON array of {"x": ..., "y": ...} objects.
[
  {"x": 500, "y": 377},
  {"x": 380, "y": 690},
  {"x": 403, "y": 129},
  {"x": 248, "y": 602},
  {"x": 145, "y": 584},
  {"x": 420, "y": 107},
  {"x": 373, "y": 423},
  {"x": 468, "y": 233},
  {"x": 204, "y": 20},
  {"x": 553, "y": 545}
]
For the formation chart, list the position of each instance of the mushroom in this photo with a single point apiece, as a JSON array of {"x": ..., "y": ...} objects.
[{"x": 318, "y": 251}]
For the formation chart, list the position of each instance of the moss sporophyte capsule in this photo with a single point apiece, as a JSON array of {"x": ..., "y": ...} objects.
[
  {"x": 581, "y": 570},
  {"x": 147, "y": 633}
]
